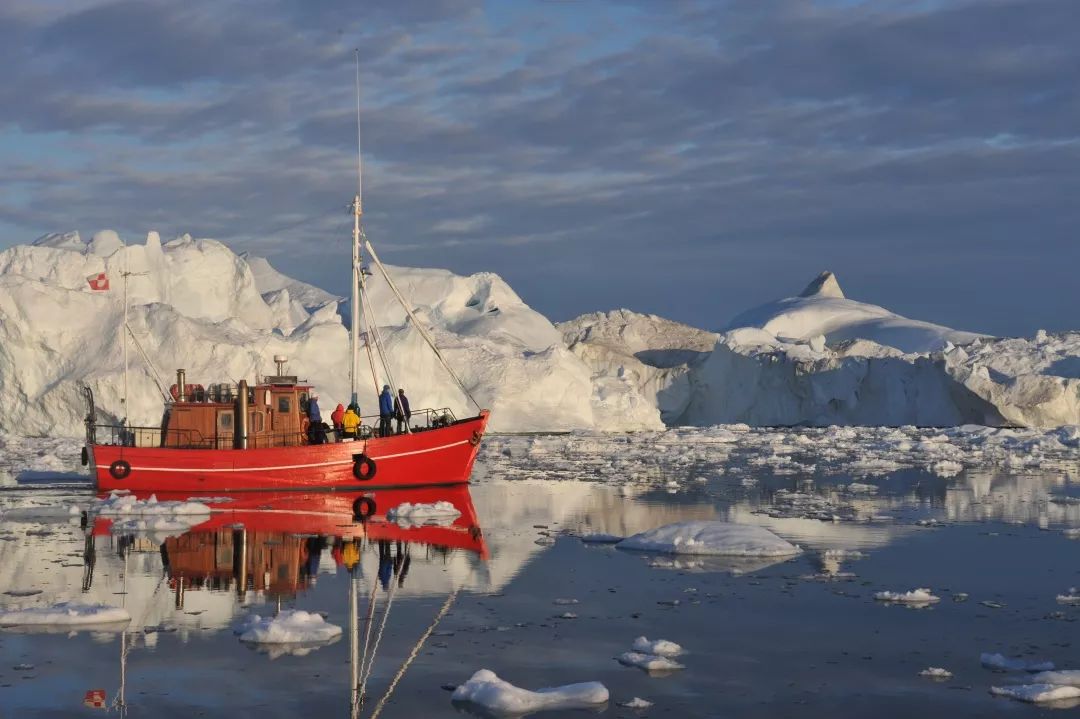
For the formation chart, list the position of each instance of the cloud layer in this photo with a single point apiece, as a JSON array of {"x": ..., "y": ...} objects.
[{"x": 688, "y": 158}]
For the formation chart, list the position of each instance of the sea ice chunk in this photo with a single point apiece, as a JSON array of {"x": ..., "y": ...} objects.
[
  {"x": 1037, "y": 693},
  {"x": 649, "y": 662},
  {"x": 936, "y": 673},
  {"x": 64, "y": 614},
  {"x": 419, "y": 510},
  {"x": 293, "y": 626},
  {"x": 486, "y": 689},
  {"x": 1070, "y": 677},
  {"x": 710, "y": 537},
  {"x": 921, "y": 595},
  {"x": 999, "y": 661},
  {"x": 661, "y": 647}
]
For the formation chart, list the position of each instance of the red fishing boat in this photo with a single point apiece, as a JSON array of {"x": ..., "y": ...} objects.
[{"x": 266, "y": 435}]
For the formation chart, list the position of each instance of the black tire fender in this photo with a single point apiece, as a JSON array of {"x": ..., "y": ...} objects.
[
  {"x": 363, "y": 467},
  {"x": 85, "y": 456},
  {"x": 363, "y": 507},
  {"x": 120, "y": 469}
]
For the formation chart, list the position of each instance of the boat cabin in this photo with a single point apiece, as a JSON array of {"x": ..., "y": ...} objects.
[{"x": 272, "y": 413}]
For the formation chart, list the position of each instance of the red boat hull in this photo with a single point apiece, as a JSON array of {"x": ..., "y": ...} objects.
[{"x": 441, "y": 456}]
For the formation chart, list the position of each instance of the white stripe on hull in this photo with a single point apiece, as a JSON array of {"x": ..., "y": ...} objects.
[{"x": 255, "y": 468}]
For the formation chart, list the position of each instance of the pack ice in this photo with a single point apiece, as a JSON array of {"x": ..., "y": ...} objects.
[{"x": 195, "y": 304}]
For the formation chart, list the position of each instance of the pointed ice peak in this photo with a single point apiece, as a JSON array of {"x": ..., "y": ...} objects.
[
  {"x": 153, "y": 241},
  {"x": 824, "y": 285},
  {"x": 104, "y": 243}
]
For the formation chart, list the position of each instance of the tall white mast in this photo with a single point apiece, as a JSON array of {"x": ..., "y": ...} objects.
[{"x": 357, "y": 209}]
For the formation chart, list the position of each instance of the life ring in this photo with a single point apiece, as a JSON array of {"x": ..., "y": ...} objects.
[
  {"x": 85, "y": 456},
  {"x": 120, "y": 469},
  {"x": 475, "y": 439},
  {"x": 363, "y": 467},
  {"x": 363, "y": 508}
]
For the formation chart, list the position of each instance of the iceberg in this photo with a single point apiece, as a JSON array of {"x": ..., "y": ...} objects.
[{"x": 196, "y": 304}]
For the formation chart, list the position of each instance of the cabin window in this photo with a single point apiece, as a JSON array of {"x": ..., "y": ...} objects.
[
  {"x": 256, "y": 422},
  {"x": 283, "y": 405},
  {"x": 224, "y": 421}
]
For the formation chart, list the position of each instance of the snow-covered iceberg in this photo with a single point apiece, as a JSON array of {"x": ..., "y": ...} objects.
[
  {"x": 823, "y": 359},
  {"x": 196, "y": 304},
  {"x": 485, "y": 689}
]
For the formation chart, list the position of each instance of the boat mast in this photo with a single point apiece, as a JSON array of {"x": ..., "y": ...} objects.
[{"x": 357, "y": 210}]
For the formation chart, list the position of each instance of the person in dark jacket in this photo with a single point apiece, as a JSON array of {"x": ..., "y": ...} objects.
[
  {"x": 316, "y": 434},
  {"x": 402, "y": 413},
  {"x": 386, "y": 411}
]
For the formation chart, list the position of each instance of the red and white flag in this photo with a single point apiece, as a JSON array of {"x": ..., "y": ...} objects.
[
  {"x": 95, "y": 699},
  {"x": 98, "y": 282}
]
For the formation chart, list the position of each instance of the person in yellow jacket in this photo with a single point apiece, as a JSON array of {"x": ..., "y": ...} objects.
[{"x": 350, "y": 422}]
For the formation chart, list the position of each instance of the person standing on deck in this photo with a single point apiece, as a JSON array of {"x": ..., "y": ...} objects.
[
  {"x": 316, "y": 435},
  {"x": 386, "y": 411},
  {"x": 402, "y": 412},
  {"x": 335, "y": 417},
  {"x": 350, "y": 422}
]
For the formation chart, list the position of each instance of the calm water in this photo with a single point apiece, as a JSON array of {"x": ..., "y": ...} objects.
[{"x": 800, "y": 637}]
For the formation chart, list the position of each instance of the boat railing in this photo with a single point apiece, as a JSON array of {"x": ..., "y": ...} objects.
[{"x": 128, "y": 436}]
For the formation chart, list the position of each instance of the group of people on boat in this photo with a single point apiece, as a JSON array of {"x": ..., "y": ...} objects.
[{"x": 346, "y": 420}]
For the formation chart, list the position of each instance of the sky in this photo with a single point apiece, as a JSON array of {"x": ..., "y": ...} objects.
[{"x": 688, "y": 158}]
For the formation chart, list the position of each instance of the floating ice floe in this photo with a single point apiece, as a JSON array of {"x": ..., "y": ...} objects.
[
  {"x": 487, "y": 690},
  {"x": 1000, "y": 661},
  {"x": 1073, "y": 596},
  {"x": 289, "y": 627},
  {"x": 600, "y": 538},
  {"x": 710, "y": 537},
  {"x": 1037, "y": 693},
  {"x": 64, "y": 614},
  {"x": 1070, "y": 677},
  {"x": 1072, "y": 533},
  {"x": 118, "y": 503},
  {"x": 936, "y": 673},
  {"x": 649, "y": 662},
  {"x": 409, "y": 510},
  {"x": 921, "y": 595},
  {"x": 660, "y": 647},
  {"x": 636, "y": 703}
]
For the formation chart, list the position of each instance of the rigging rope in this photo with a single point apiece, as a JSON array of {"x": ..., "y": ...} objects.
[
  {"x": 373, "y": 328},
  {"x": 414, "y": 653},
  {"x": 416, "y": 323}
]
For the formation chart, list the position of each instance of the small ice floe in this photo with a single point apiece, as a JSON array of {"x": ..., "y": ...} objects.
[
  {"x": 408, "y": 510},
  {"x": 710, "y": 537},
  {"x": 289, "y": 627},
  {"x": 126, "y": 504},
  {"x": 636, "y": 703},
  {"x": 861, "y": 488},
  {"x": 567, "y": 615},
  {"x": 649, "y": 662},
  {"x": 563, "y": 601},
  {"x": 1073, "y": 597},
  {"x": 936, "y": 673},
  {"x": 1000, "y": 661},
  {"x": 1073, "y": 533},
  {"x": 64, "y": 614},
  {"x": 991, "y": 604},
  {"x": 660, "y": 647},
  {"x": 1061, "y": 499},
  {"x": 916, "y": 597},
  {"x": 960, "y": 597},
  {"x": 1069, "y": 677},
  {"x": 487, "y": 690},
  {"x": 600, "y": 538},
  {"x": 946, "y": 468},
  {"x": 1037, "y": 693}
]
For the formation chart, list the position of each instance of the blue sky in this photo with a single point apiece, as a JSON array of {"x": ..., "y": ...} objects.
[{"x": 690, "y": 158}]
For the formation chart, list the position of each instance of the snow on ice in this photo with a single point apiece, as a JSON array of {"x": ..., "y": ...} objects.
[
  {"x": 63, "y": 614},
  {"x": 1070, "y": 677},
  {"x": 293, "y": 626},
  {"x": 705, "y": 537},
  {"x": 936, "y": 673},
  {"x": 487, "y": 690},
  {"x": 121, "y": 503}
]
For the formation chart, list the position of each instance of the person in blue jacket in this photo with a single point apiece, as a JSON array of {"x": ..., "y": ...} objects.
[
  {"x": 386, "y": 411},
  {"x": 316, "y": 435}
]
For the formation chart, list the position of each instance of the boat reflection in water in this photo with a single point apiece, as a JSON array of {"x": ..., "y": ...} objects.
[{"x": 270, "y": 546}]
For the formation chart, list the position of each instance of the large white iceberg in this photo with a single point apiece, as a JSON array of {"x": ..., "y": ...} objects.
[{"x": 195, "y": 304}]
